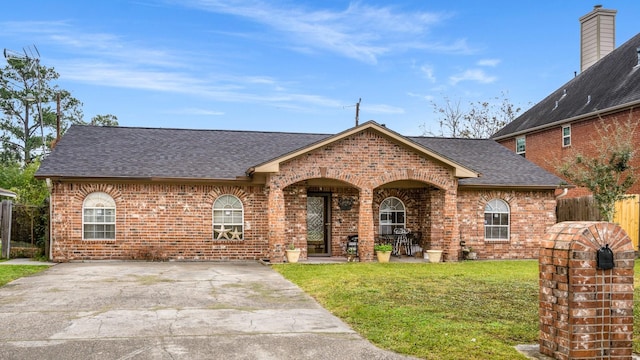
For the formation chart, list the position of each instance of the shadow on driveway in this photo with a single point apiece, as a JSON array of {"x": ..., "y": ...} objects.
[{"x": 174, "y": 310}]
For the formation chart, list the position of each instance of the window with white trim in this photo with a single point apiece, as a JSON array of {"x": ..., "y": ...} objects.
[
  {"x": 392, "y": 215},
  {"x": 521, "y": 145},
  {"x": 566, "y": 136},
  {"x": 228, "y": 218},
  {"x": 496, "y": 220},
  {"x": 98, "y": 217}
]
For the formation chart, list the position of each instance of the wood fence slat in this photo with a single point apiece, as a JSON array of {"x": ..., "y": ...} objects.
[{"x": 627, "y": 213}]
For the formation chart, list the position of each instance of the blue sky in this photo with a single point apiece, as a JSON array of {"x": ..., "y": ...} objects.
[{"x": 301, "y": 66}]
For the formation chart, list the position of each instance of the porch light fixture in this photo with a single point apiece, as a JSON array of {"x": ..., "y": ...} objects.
[{"x": 345, "y": 203}]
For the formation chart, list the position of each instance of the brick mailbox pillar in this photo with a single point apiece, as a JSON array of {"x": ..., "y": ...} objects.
[{"x": 586, "y": 312}]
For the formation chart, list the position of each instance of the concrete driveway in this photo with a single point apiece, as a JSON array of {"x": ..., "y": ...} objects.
[{"x": 140, "y": 310}]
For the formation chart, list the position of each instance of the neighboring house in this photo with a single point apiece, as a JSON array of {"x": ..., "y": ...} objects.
[
  {"x": 608, "y": 89},
  {"x": 142, "y": 193}
]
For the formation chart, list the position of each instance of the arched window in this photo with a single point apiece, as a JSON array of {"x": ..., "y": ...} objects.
[
  {"x": 98, "y": 217},
  {"x": 392, "y": 215},
  {"x": 228, "y": 218},
  {"x": 496, "y": 220}
]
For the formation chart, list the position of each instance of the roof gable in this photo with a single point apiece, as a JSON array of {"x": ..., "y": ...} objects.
[
  {"x": 608, "y": 85},
  {"x": 459, "y": 170}
]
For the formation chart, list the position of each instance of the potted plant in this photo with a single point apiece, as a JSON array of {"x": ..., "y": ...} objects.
[
  {"x": 383, "y": 252},
  {"x": 469, "y": 254},
  {"x": 351, "y": 254},
  {"x": 292, "y": 253}
]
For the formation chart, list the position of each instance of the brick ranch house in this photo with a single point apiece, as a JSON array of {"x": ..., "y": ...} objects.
[
  {"x": 607, "y": 90},
  {"x": 172, "y": 194}
]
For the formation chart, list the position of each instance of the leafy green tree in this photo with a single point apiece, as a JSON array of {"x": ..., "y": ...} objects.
[
  {"x": 28, "y": 100},
  {"x": 608, "y": 173},
  {"x": 29, "y": 190},
  {"x": 104, "y": 120},
  {"x": 479, "y": 121}
]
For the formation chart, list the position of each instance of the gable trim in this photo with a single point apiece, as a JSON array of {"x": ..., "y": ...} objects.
[{"x": 273, "y": 165}]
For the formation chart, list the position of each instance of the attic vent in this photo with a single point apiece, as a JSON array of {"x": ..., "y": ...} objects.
[{"x": 638, "y": 50}]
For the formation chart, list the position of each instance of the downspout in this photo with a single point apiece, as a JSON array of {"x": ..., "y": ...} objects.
[
  {"x": 50, "y": 188},
  {"x": 564, "y": 193}
]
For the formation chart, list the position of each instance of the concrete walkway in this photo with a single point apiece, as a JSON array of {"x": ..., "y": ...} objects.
[{"x": 141, "y": 310}]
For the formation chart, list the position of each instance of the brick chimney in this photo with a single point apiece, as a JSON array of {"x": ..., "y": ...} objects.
[{"x": 597, "y": 35}]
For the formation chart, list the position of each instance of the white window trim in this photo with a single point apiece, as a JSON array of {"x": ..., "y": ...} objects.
[
  {"x": 404, "y": 210},
  {"x": 508, "y": 226},
  {"x": 524, "y": 140},
  {"x": 227, "y": 231},
  {"x": 99, "y": 200},
  {"x": 566, "y": 136}
]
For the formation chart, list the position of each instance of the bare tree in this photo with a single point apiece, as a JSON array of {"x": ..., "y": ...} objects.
[{"x": 480, "y": 121}]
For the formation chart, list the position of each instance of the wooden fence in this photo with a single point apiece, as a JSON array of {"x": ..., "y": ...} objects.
[{"x": 627, "y": 213}]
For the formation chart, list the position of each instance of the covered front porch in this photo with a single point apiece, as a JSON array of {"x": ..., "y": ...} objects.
[
  {"x": 322, "y": 216},
  {"x": 367, "y": 181}
]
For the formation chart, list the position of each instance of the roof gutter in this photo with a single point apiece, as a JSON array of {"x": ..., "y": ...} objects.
[
  {"x": 129, "y": 178},
  {"x": 7, "y": 193},
  {"x": 523, "y": 187},
  {"x": 571, "y": 119}
]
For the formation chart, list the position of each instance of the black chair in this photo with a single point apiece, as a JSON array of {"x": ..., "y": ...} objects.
[{"x": 352, "y": 244}]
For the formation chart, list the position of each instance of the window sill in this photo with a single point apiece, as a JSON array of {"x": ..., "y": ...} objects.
[
  {"x": 102, "y": 241},
  {"x": 494, "y": 241}
]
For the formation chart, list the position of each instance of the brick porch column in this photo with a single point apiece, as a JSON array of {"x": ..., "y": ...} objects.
[
  {"x": 451, "y": 245},
  {"x": 365, "y": 225},
  {"x": 586, "y": 312},
  {"x": 444, "y": 230},
  {"x": 276, "y": 223}
]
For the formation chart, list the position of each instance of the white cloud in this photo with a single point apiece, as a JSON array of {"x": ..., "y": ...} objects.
[
  {"x": 195, "y": 111},
  {"x": 360, "y": 32},
  {"x": 382, "y": 109},
  {"x": 427, "y": 71},
  {"x": 421, "y": 96},
  {"x": 476, "y": 75},
  {"x": 489, "y": 62}
]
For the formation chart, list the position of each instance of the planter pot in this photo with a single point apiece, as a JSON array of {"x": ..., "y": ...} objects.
[
  {"x": 434, "y": 255},
  {"x": 292, "y": 255},
  {"x": 383, "y": 256},
  {"x": 472, "y": 256}
]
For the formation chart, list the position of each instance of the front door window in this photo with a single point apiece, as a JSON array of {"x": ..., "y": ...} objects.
[{"x": 318, "y": 224}]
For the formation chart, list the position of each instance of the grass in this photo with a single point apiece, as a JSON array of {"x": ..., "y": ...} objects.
[
  {"x": 9, "y": 273},
  {"x": 466, "y": 310}
]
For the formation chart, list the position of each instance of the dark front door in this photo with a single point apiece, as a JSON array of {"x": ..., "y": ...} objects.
[{"x": 318, "y": 224}]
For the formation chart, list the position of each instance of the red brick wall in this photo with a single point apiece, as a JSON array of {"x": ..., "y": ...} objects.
[
  {"x": 174, "y": 221},
  {"x": 532, "y": 212},
  {"x": 545, "y": 148},
  {"x": 157, "y": 222},
  {"x": 363, "y": 162}
]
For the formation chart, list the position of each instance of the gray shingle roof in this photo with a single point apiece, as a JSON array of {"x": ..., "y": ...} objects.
[
  {"x": 610, "y": 82},
  {"x": 498, "y": 165},
  {"x": 123, "y": 152},
  {"x": 93, "y": 151}
]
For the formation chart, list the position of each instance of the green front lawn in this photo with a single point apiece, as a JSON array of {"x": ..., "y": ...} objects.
[
  {"x": 466, "y": 310},
  {"x": 9, "y": 273}
]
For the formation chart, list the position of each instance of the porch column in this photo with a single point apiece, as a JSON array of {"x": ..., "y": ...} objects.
[
  {"x": 365, "y": 225},
  {"x": 445, "y": 233},
  {"x": 276, "y": 223},
  {"x": 451, "y": 244}
]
